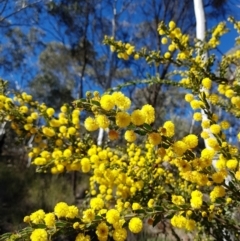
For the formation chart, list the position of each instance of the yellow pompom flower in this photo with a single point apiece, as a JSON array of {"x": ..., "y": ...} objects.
[
  {"x": 26, "y": 219},
  {"x": 189, "y": 97},
  {"x": 86, "y": 165},
  {"x": 196, "y": 199},
  {"x": 39, "y": 161},
  {"x": 50, "y": 112},
  {"x": 39, "y": 234},
  {"x": 76, "y": 225},
  {"x": 228, "y": 200},
  {"x": 178, "y": 200},
  {"x": 178, "y": 221},
  {"x": 136, "y": 56},
  {"x": 91, "y": 124},
  {"x": 136, "y": 206},
  {"x": 191, "y": 141},
  {"x": 205, "y": 124},
  {"x": 121, "y": 101},
  {"x": 72, "y": 212},
  {"x": 221, "y": 164},
  {"x": 102, "y": 121},
  {"x": 149, "y": 113},
  {"x": 171, "y": 47},
  {"x": 213, "y": 143},
  {"x": 214, "y": 99},
  {"x": 88, "y": 216},
  {"x": 218, "y": 177},
  {"x": 96, "y": 203},
  {"x": 237, "y": 175},
  {"x": 135, "y": 225},
  {"x": 54, "y": 123},
  {"x": 215, "y": 129},
  {"x": 102, "y": 231},
  {"x": 164, "y": 40},
  {"x": 171, "y": 25},
  {"x": 207, "y": 154},
  {"x": 112, "y": 216},
  {"x": 235, "y": 100},
  {"x": 167, "y": 55},
  {"x": 207, "y": 83},
  {"x": 161, "y": 32},
  {"x": 120, "y": 234},
  {"x": 76, "y": 113},
  {"x": 75, "y": 120},
  {"x": 22, "y": 109},
  {"x": 63, "y": 129},
  {"x": 179, "y": 147},
  {"x": 218, "y": 191},
  {"x": 137, "y": 117},
  {"x": 49, "y": 132},
  {"x": 50, "y": 220},
  {"x": 170, "y": 128},
  {"x": 63, "y": 120},
  {"x": 67, "y": 153},
  {"x": 82, "y": 237},
  {"x": 130, "y": 136},
  {"x": 72, "y": 130},
  {"x": 37, "y": 217},
  {"x": 154, "y": 138},
  {"x": 61, "y": 210},
  {"x": 197, "y": 116},
  {"x": 123, "y": 119},
  {"x": 190, "y": 224},
  {"x": 27, "y": 127},
  {"x": 225, "y": 125},
  {"x": 107, "y": 102},
  {"x": 45, "y": 154},
  {"x": 150, "y": 203},
  {"x": 63, "y": 109},
  {"x": 232, "y": 164},
  {"x": 229, "y": 93},
  {"x": 196, "y": 104}
]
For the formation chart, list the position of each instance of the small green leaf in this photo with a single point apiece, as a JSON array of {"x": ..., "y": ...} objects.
[
  {"x": 159, "y": 208},
  {"x": 60, "y": 224},
  {"x": 165, "y": 145},
  {"x": 97, "y": 217},
  {"x": 39, "y": 226},
  {"x": 139, "y": 211},
  {"x": 140, "y": 132},
  {"x": 147, "y": 127},
  {"x": 95, "y": 102}
]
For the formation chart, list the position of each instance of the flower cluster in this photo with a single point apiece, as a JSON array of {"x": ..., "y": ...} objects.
[{"x": 158, "y": 177}]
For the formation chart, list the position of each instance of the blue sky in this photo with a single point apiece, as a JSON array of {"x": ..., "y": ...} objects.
[{"x": 226, "y": 44}]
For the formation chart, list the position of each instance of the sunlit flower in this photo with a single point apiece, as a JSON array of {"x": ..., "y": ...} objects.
[
  {"x": 123, "y": 119},
  {"x": 39, "y": 234},
  {"x": 135, "y": 225}
]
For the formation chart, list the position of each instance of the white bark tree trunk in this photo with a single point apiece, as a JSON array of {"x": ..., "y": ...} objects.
[
  {"x": 200, "y": 34},
  {"x": 200, "y": 19},
  {"x": 109, "y": 77}
]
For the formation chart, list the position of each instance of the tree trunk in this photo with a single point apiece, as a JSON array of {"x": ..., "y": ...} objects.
[{"x": 200, "y": 34}]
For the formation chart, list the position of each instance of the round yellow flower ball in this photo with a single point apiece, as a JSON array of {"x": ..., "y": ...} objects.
[{"x": 135, "y": 225}]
